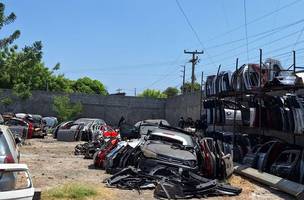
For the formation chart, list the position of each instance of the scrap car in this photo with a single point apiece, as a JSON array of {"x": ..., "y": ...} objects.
[{"x": 82, "y": 129}]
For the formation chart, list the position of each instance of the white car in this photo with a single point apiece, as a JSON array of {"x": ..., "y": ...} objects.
[
  {"x": 9, "y": 154},
  {"x": 24, "y": 189}
]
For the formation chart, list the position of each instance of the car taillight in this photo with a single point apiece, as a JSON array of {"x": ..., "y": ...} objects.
[
  {"x": 9, "y": 159},
  {"x": 30, "y": 131}
]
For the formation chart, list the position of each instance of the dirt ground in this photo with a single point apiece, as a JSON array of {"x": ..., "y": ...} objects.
[{"x": 53, "y": 163}]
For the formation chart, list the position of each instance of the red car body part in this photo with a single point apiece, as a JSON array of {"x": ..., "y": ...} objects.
[
  {"x": 101, "y": 155},
  {"x": 207, "y": 160},
  {"x": 108, "y": 132},
  {"x": 30, "y": 130}
]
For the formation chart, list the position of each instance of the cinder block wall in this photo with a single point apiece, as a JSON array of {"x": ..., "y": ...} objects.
[
  {"x": 187, "y": 105},
  {"x": 109, "y": 108}
]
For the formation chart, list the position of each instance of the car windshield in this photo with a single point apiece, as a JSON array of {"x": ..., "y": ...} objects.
[
  {"x": 173, "y": 136},
  {"x": 151, "y": 122},
  {"x": 83, "y": 120},
  {"x": 165, "y": 139}
]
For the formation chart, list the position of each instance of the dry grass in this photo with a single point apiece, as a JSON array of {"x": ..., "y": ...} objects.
[{"x": 78, "y": 191}]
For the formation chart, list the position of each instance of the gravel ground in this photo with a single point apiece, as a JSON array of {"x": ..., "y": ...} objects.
[{"x": 53, "y": 163}]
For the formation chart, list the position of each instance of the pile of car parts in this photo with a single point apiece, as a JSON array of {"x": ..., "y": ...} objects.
[
  {"x": 104, "y": 140},
  {"x": 170, "y": 184},
  {"x": 153, "y": 154}
]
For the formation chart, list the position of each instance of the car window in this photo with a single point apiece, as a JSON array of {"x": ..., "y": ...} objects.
[
  {"x": 3, "y": 145},
  {"x": 21, "y": 123},
  {"x": 11, "y": 122}
]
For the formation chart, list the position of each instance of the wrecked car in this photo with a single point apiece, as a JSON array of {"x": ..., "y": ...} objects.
[
  {"x": 35, "y": 122},
  {"x": 170, "y": 148},
  {"x": 85, "y": 129},
  {"x": 49, "y": 123},
  {"x": 20, "y": 127},
  {"x": 149, "y": 125}
]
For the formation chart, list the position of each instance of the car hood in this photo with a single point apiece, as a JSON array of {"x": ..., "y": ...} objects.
[{"x": 166, "y": 150}]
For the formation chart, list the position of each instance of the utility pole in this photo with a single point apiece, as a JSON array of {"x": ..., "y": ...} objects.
[
  {"x": 201, "y": 99},
  {"x": 135, "y": 92},
  {"x": 184, "y": 76},
  {"x": 194, "y": 61}
]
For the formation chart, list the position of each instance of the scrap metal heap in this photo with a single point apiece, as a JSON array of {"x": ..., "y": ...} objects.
[{"x": 176, "y": 163}]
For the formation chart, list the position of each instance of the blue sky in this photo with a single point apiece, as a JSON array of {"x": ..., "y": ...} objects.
[{"x": 139, "y": 43}]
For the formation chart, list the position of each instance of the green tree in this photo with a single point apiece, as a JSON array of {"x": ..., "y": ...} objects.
[
  {"x": 171, "y": 92},
  {"x": 60, "y": 83},
  {"x": 6, "y": 20},
  {"x": 65, "y": 109},
  {"x": 152, "y": 94},
  {"x": 188, "y": 87},
  {"x": 23, "y": 70},
  {"x": 89, "y": 86}
]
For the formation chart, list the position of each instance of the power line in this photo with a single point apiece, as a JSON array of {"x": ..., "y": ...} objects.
[
  {"x": 255, "y": 20},
  {"x": 225, "y": 13},
  {"x": 252, "y": 49},
  {"x": 162, "y": 63},
  {"x": 271, "y": 31},
  {"x": 192, "y": 29},
  {"x": 160, "y": 79},
  {"x": 298, "y": 38},
  {"x": 276, "y": 15},
  {"x": 246, "y": 31}
]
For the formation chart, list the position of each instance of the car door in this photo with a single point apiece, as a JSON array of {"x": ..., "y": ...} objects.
[{"x": 12, "y": 145}]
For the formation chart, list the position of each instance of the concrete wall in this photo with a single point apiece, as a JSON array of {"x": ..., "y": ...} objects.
[
  {"x": 187, "y": 105},
  {"x": 109, "y": 108}
]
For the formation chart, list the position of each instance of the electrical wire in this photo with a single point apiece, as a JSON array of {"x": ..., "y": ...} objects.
[
  {"x": 256, "y": 19},
  {"x": 246, "y": 29},
  {"x": 298, "y": 38},
  {"x": 276, "y": 14},
  {"x": 254, "y": 48},
  {"x": 251, "y": 42},
  {"x": 273, "y": 31},
  {"x": 193, "y": 30},
  {"x": 136, "y": 66}
]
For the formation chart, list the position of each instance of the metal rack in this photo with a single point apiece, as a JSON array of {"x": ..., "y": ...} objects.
[{"x": 259, "y": 93}]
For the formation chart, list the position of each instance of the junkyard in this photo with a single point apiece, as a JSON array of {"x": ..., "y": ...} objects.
[
  {"x": 151, "y": 100},
  {"x": 40, "y": 153}
]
